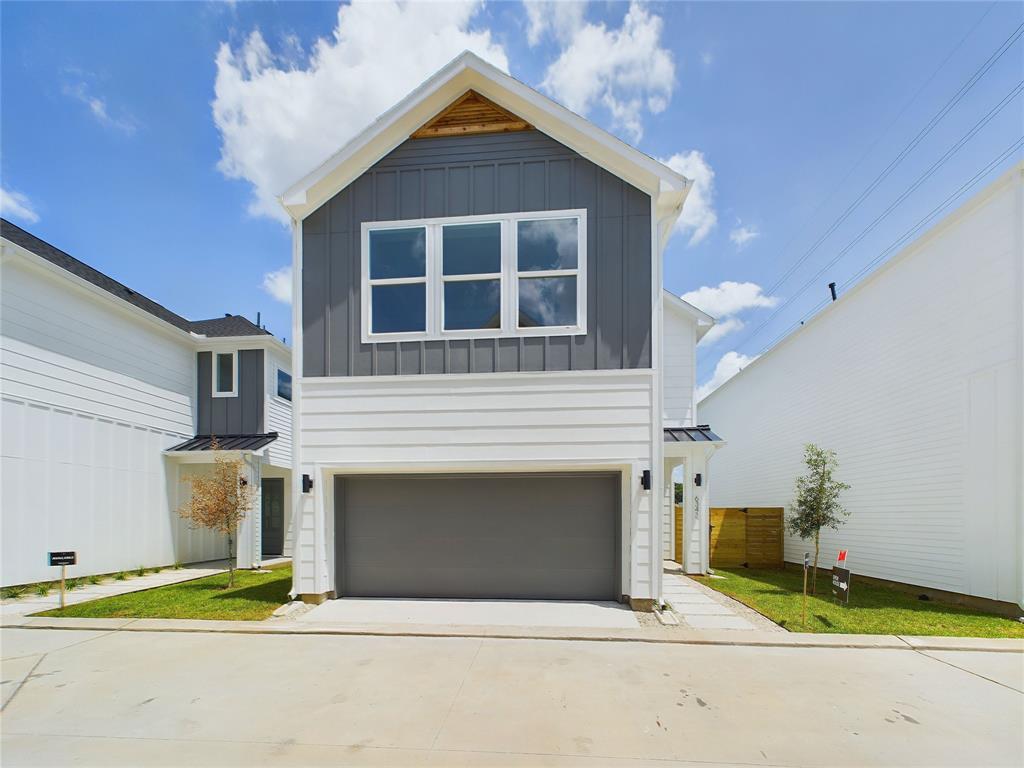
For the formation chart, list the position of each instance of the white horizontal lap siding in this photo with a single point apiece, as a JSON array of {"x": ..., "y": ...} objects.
[
  {"x": 92, "y": 395},
  {"x": 680, "y": 356},
  {"x": 278, "y": 412},
  {"x": 503, "y": 421},
  {"x": 914, "y": 378}
]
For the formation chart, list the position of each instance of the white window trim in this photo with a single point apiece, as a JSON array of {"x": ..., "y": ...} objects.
[
  {"x": 234, "y": 374},
  {"x": 509, "y": 277}
]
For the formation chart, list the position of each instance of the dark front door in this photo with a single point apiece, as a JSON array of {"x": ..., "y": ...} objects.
[
  {"x": 273, "y": 516},
  {"x": 553, "y": 536}
]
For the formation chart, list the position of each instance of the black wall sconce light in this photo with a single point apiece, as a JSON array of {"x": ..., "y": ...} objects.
[
  {"x": 307, "y": 483},
  {"x": 645, "y": 479},
  {"x": 697, "y": 479},
  {"x": 243, "y": 482}
]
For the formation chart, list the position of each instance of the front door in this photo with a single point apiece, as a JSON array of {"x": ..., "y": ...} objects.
[{"x": 272, "y": 534}]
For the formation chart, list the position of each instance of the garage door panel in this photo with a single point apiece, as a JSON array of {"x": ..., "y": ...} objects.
[{"x": 506, "y": 536}]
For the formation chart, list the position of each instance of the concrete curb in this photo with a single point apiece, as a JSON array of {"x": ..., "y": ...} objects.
[{"x": 661, "y": 635}]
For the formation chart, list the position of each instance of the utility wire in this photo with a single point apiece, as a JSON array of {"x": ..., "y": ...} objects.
[
  {"x": 902, "y": 239},
  {"x": 956, "y": 147},
  {"x": 884, "y": 174},
  {"x": 870, "y": 150}
]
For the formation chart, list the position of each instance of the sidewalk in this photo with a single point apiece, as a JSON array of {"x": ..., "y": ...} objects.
[{"x": 108, "y": 588}]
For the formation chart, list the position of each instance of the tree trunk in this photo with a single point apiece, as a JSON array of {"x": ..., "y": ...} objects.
[
  {"x": 817, "y": 547},
  {"x": 231, "y": 564}
]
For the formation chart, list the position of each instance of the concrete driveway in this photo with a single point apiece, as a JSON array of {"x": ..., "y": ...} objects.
[
  {"x": 154, "y": 699},
  {"x": 495, "y": 613}
]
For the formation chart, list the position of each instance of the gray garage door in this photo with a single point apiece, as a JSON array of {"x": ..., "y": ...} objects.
[{"x": 479, "y": 536}]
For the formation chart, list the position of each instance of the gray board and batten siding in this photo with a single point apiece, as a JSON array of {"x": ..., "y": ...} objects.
[
  {"x": 471, "y": 175},
  {"x": 238, "y": 415}
]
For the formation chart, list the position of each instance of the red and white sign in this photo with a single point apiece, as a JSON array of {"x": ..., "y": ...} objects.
[{"x": 841, "y": 559}]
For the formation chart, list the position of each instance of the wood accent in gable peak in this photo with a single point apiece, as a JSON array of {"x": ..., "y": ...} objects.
[{"x": 471, "y": 114}]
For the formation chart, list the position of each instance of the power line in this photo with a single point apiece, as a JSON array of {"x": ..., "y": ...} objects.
[
  {"x": 885, "y": 132},
  {"x": 902, "y": 239},
  {"x": 884, "y": 174},
  {"x": 956, "y": 147}
]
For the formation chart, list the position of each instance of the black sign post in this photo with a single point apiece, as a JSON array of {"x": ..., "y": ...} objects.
[
  {"x": 841, "y": 585},
  {"x": 807, "y": 564},
  {"x": 63, "y": 559}
]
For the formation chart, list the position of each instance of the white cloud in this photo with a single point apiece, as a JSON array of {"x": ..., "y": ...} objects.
[
  {"x": 729, "y": 298},
  {"x": 97, "y": 106},
  {"x": 278, "y": 120},
  {"x": 707, "y": 59},
  {"x": 741, "y": 235},
  {"x": 279, "y": 284},
  {"x": 728, "y": 366},
  {"x": 698, "y": 217},
  {"x": 15, "y": 205},
  {"x": 562, "y": 19},
  {"x": 626, "y": 70},
  {"x": 719, "y": 329}
]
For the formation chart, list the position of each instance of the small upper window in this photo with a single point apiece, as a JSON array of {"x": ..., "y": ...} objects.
[
  {"x": 284, "y": 385},
  {"x": 224, "y": 375}
]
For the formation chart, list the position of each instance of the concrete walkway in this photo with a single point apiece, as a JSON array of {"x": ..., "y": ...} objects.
[
  {"x": 109, "y": 587},
  {"x": 503, "y": 613},
  {"x": 699, "y": 607},
  {"x": 158, "y": 699}
]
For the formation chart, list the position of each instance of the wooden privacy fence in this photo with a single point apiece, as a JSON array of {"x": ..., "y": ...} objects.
[{"x": 750, "y": 537}]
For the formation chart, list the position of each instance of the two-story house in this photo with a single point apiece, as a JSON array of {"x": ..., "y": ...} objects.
[
  {"x": 492, "y": 388},
  {"x": 109, "y": 400}
]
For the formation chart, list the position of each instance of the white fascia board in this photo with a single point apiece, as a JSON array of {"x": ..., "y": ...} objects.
[
  {"x": 682, "y": 307},
  {"x": 208, "y": 343},
  {"x": 665, "y": 186},
  {"x": 38, "y": 263}
]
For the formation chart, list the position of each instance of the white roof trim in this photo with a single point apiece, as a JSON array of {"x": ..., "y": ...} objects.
[
  {"x": 704, "y": 320},
  {"x": 466, "y": 71}
]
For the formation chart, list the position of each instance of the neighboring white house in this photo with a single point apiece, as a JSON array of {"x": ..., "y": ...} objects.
[
  {"x": 107, "y": 402},
  {"x": 493, "y": 390},
  {"x": 914, "y": 377}
]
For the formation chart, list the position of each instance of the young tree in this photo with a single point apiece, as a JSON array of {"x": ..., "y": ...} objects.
[
  {"x": 219, "y": 502},
  {"x": 817, "y": 500}
]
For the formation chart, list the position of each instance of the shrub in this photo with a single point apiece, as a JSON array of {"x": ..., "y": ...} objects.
[
  {"x": 42, "y": 589},
  {"x": 120, "y": 576},
  {"x": 13, "y": 593},
  {"x": 141, "y": 571},
  {"x": 94, "y": 579},
  {"x": 72, "y": 584}
]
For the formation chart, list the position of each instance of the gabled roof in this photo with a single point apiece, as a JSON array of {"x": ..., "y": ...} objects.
[
  {"x": 229, "y": 325},
  {"x": 680, "y": 305},
  {"x": 469, "y": 72}
]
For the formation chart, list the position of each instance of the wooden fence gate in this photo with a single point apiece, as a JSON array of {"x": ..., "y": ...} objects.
[{"x": 750, "y": 537}]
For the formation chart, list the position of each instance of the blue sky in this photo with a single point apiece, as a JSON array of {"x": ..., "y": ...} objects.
[{"x": 148, "y": 139}]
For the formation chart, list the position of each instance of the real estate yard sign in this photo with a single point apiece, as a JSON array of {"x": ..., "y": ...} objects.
[{"x": 841, "y": 579}]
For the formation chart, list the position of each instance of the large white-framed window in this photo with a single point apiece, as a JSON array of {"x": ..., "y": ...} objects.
[
  {"x": 225, "y": 374},
  {"x": 513, "y": 274}
]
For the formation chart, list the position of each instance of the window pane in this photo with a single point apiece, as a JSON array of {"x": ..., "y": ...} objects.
[
  {"x": 472, "y": 249},
  {"x": 398, "y": 308},
  {"x": 225, "y": 373},
  {"x": 398, "y": 253},
  {"x": 548, "y": 244},
  {"x": 546, "y": 301},
  {"x": 472, "y": 304},
  {"x": 284, "y": 385}
]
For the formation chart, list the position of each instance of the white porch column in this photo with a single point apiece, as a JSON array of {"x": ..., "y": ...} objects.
[{"x": 247, "y": 546}]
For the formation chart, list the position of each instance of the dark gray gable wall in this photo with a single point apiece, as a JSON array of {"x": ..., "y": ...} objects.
[
  {"x": 468, "y": 175},
  {"x": 239, "y": 415}
]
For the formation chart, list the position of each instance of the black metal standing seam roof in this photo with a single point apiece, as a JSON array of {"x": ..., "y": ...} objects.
[
  {"x": 226, "y": 442},
  {"x": 700, "y": 434},
  {"x": 229, "y": 325}
]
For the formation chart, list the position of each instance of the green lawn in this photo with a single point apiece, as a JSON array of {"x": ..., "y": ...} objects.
[
  {"x": 873, "y": 610},
  {"x": 253, "y": 598}
]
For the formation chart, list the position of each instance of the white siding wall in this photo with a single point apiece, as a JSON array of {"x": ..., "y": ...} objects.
[
  {"x": 91, "y": 395},
  {"x": 493, "y": 422},
  {"x": 680, "y": 352},
  {"x": 915, "y": 379},
  {"x": 278, "y": 413}
]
